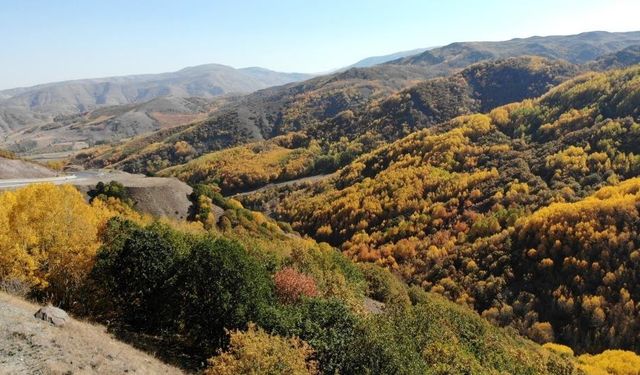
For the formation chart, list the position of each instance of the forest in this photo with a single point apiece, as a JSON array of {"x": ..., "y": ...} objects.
[
  {"x": 249, "y": 296},
  {"x": 526, "y": 214}
]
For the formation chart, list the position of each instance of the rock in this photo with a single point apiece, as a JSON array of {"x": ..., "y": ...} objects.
[
  {"x": 373, "y": 306},
  {"x": 53, "y": 315}
]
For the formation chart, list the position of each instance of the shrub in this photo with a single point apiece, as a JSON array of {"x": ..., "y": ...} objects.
[
  {"x": 136, "y": 269},
  {"x": 257, "y": 352},
  {"x": 113, "y": 189},
  {"x": 221, "y": 287},
  {"x": 329, "y": 326},
  {"x": 559, "y": 349},
  {"x": 291, "y": 285},
  {"x": 614, "y": 362},
  {"x": 383, "y": 286}
]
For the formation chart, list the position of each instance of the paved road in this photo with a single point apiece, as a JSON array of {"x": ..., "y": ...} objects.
[
  {"x": 14, "y": 183},
  {"x": 76, "y": 178}
]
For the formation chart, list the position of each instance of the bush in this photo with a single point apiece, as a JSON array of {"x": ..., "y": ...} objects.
[
  {"x": 113, "y": 189},
  {"x": 329, "y": 326},
  {"x": 136, "y": 269},
  {"x": 292, "y": 285},
  {"x": 383, "y": 286},
  {"x": 257, "y": 352},
  {"x": 221, "y": 286},
  {"x": 614, "y": 362},
  {"x": 559, "y": 349}
]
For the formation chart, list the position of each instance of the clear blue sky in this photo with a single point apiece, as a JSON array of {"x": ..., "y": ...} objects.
[{"x": 53, "y": 40}]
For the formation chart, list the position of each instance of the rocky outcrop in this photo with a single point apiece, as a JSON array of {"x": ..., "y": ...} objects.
[{"x": 53, "y": 315}]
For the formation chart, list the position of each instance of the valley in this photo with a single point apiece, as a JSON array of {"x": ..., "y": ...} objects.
[{"x": 465, "y": 209}]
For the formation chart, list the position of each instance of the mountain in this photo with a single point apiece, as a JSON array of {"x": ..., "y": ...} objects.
[
  {"x": 527, "y": 213},
  {"x": 481, "y": 87},
  {"x": 376, "y": 60},
  {"x": 40, "y": 104},
  {"x": 620, "y": 59},
  {"x": 352, "y": 104},
  {"x": 477, "y": 88},
  {"x": 308, "y": 105},
  {"x": 323, "y": 106},
  {"x": 66, "y": 133},
  {"x": 262, "y": 115},
  {"x": 577, "y": 49}
]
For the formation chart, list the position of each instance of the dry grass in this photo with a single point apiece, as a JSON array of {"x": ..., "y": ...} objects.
[{"x": 31, "y": 346}]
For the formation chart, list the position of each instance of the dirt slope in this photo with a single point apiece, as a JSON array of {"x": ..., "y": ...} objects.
[
  {"x": 31, "y": 346},
  {"x": 21, "y": 169},
  {"x": 157, "y": 196}
]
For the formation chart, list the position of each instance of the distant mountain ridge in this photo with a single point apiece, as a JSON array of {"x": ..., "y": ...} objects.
[
  {"x": 276, "y": 109},
  {"x": 40, "y": 104},
  {"x": 376, "y": 60},
  {"x": 577, "y": 49}
]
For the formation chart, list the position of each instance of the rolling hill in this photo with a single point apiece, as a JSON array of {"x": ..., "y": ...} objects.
[
  {"x": 336, "y": 105},
  {"x": 40, "y": 104},
  {"x": 527, "y": 213},
  {"x": 620, "y": 59},
  {"x": 336, "y": 141},
  {"x": 576, "y": 49},
  {"x": 107, "y": 124},
  {"x": 355, "y": 104}
]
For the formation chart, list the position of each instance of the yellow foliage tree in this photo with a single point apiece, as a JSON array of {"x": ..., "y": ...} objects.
[
  {"x": 49, "y": 236},
  {"x": 612, "y": 362}
]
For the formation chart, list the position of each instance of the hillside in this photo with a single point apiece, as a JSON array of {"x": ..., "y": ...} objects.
[
  {"x": 16, "y": 168},
  {"x": 364, "y": 106},
  {"x": 40, "y": 104},
  {"x": 107, "y": 124},
  {"x": 472, "y": 209},
  {"x": 32, "y": 346},
  {"x": 145, "y": 280},
  {"x": 261, "y": 115},
  {"x": 321, "y": 149},
  {"x": 376, "y": 60},
  {"x": 478, "y": 88},
  {"x": 577, "y": 49},
  {"x": 625, "y": 57}
]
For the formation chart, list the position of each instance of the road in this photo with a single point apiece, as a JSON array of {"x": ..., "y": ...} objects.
[
  {"x": 76, "y": 178},
  {"x": 285, "y": 183}
]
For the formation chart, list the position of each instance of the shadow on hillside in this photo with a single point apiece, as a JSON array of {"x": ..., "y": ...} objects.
[{"x": 171, "y": 349}]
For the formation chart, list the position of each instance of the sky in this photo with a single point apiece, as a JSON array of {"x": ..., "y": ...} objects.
[{"x": 47, "y": 41}]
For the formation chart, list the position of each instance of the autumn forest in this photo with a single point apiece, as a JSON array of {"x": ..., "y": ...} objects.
[{"x": 472, "y": 209}]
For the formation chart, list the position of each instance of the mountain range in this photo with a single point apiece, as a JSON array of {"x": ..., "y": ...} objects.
[
  {"x": 42, "y": 104},
  {"x": 65, "y": 116}
]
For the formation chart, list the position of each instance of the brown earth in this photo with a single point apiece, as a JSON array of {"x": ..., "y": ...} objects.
[
  {"x": 32, "y": 346},
  {"x": 10, "y": 168}
]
